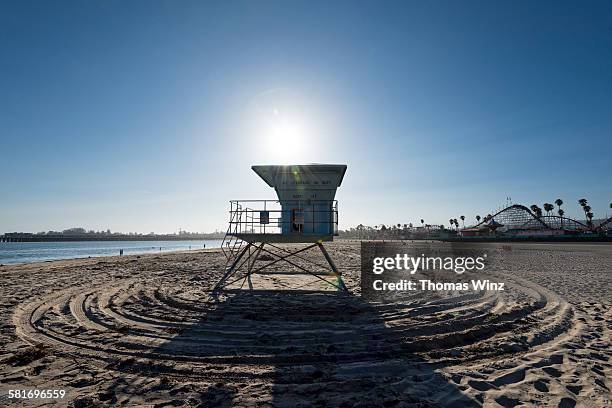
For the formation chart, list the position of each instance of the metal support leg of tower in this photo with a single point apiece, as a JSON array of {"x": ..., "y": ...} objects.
[
  {"x": 288, "y": 254},
  {"x": 230, "y": 271},
  {"x": 331, "y": 263}
]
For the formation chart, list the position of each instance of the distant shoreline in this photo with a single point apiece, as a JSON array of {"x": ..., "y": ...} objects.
[
  {"x": 85, "y": 238},
  {"x": 136, "y": 255},
  {"x": 30, "y": 252}
]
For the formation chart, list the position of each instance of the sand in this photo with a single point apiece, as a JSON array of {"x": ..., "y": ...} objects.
[{"x": 139, "y": 331}]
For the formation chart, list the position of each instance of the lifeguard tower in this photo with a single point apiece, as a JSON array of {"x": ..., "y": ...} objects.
[{"x": 306, "y": 212}]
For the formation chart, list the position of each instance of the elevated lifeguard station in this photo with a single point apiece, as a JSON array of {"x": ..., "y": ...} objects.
[{"x": 306, "y": 212}]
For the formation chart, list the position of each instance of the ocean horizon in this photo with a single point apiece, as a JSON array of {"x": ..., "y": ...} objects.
[{"x": 29, "y": 252}]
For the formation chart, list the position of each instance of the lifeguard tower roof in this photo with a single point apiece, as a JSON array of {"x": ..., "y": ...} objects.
[{"x": 304, "y": 177}]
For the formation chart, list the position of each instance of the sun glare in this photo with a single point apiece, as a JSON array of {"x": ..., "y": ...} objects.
[
  {"x": 282, "y": 128},
  {"x": 285, "y": 137}
]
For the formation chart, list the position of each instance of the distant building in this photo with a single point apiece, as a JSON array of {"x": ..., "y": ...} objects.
[
  {"x": 476, "y": 232},
  {"x": 533, "y": 232}
]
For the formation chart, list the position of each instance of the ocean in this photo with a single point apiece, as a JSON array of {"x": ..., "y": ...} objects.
[{"x": 26, "y": 252}]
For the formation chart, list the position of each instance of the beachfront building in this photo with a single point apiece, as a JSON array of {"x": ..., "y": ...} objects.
[{"x": 475, "y": 232}]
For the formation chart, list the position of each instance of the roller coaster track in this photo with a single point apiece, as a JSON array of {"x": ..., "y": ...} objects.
[
  {"x": 605, "y": 223},
  {"x": 515, "y": 211},
  {"x": 519, "y": 216}
]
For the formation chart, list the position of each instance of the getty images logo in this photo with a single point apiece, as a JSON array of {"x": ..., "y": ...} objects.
[{"x": 411, "y": 264}]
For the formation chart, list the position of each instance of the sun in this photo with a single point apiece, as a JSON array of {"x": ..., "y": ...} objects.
[
  {"x": 285, "y": 137},
  {"x": 281, "y": 131}
]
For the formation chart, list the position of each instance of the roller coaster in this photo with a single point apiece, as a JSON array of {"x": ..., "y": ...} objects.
[{"x": 519, "y": 217}]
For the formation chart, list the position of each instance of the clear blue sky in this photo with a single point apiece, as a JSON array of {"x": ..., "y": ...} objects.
[{"x": 147, "y": 115}]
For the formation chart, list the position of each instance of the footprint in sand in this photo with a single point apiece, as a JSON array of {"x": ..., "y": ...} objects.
[
  {"x": 480, "y": 385},
  {"x": 510, "y": 378},
  {"x": 541, "y": 386},
  {"x": 552, "y": 371},
  {"x": 545, "y": 362},
  {"x": 567, "y": 403},
  {"x": 507, "y": 402}
]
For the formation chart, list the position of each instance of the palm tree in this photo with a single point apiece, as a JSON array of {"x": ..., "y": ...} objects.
[
  {"x": 422, "y": 222},
  {"x": 478, "y": 218},
  {"x": 360, "y": 229},
  {"x": 587, "y": 212},
  {"x": 583, "y": 203},
  {"x": 536, "y": 210},
  {"x": 463, "y": 220},
  {"x": 559, "y": 203},
  {"x": 456, "y": 223},
  {"x": 548, "y": 207},
  {"x": 586, "y": 208},
  {"x": 452, "y": 222}
]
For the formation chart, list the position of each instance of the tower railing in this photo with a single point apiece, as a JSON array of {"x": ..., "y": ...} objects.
[{"x": 269, "y": 217}]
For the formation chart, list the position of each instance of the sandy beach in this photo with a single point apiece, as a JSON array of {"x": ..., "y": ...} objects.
[{"x": 138, "y": 331}]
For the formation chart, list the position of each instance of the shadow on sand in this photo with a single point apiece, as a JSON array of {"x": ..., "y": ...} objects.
[{"x": 301, "y": 348}]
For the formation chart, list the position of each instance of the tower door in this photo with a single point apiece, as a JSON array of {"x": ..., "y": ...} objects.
[{"x": 297, "y": 220}]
